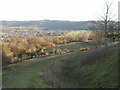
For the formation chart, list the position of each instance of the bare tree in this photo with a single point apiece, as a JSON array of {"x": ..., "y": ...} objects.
[
  {"x": 108, "y": 23},
  {"x": 106, "y": 18},
  {"x": 105, "y": 25}
]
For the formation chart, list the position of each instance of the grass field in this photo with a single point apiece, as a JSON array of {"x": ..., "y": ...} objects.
[
  {"x": 72, "y": 33},
  {"x": 2, "y": 33},
  {"x": 28, "y": 74},
  {"x": 92, "y": 69}
]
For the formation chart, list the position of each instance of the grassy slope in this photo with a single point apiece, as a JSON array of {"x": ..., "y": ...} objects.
[
  {"x": 27, "y": 74},
  {"x": 103, "y": 74}
]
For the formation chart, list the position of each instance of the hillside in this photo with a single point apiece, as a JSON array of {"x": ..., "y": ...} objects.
[
  {"x": 66, "y": 70},
  {"x": 92, "y": 69},
  {"x": 57, "y": 24},
  {"x": 52, "y": 24}
]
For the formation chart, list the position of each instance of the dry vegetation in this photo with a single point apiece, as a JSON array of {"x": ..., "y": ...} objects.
[{"x": 18, "y": 49}]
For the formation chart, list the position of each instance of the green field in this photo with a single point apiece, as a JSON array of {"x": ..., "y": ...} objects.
[
  {"x": 2, "y": 33},
  {"x": 72, "y": 33},
  {"x": 27, "y": 74}
]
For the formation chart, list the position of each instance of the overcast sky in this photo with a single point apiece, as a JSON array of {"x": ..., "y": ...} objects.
[{"x": 73, "y": 10}]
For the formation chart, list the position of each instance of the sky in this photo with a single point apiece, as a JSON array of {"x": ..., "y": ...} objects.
[{"x": 72, "y": 10}]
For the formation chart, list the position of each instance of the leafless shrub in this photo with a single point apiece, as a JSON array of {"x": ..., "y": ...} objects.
[{"x": 57, "y": 74}]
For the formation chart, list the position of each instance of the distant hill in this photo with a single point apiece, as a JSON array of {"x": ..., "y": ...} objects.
[{"x": 52, "y": 24}]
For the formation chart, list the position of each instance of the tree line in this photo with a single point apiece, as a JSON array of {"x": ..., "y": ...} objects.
[{"x": 18, "y": 49}]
